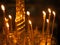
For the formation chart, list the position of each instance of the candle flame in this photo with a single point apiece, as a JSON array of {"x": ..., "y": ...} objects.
[
  {"x": 7, "y": 24},
  {"x": 47, "y": 20},
  {"x": 28, "y": 13},
  {"x": 54, "y": 13},
  {"x": 44, "y": 13},
  {"x": 30, "y": 22},
  {"x": 10, "y": 16},
  {"x": 49, "y": 10},
  {"x": 6, "y": 19},
  {"x": 2, "y": 7}
]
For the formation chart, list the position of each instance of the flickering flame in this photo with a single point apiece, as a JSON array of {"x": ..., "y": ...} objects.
[
  {"x": 47, "y": 20},
  {"x": 10, "y": 17},
  {"x": 7, "y": 24},
  {"x": 28, "y": 13},
  {"x": 30, "y": 22},
  {"x": 2, "y": 7},
  {"x": 6, "y": 19},
  {"x": 49, "y": 10},
  {"x": 54, "y": 13},
  {"x": 44, "y": 13}
]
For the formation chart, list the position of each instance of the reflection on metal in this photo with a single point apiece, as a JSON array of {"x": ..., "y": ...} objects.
[
  {"x": 20, "y": 9},
  {"x": 20, "y": 23},
  {"x": 21, "y": 27},
  {"x": 18, "y": 19}
]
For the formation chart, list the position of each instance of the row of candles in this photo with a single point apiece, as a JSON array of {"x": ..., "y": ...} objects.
[
  {"x": 5, "y": 20},
  {"x": 48, "y": 26},
  {"x": 6, "y": 24},
  {"x": 44, "y": 18},
  {"x": 48, "y": 20},
  {"x": 30, "y": 30},
  {"x": 7, "y": 28},
  {"x": 28, "y": 13}
]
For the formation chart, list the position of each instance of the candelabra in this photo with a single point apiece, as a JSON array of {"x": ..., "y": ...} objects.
[
  {"x": 48, "y": 35},
  {"x": 20, "y": 21}
]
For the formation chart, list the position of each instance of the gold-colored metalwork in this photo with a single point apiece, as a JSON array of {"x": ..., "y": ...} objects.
[
  {"x": 20, "y": 13},
  {"x": 20, "y": 22}
]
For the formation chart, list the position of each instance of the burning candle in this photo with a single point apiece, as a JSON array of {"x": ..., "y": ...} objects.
[
  {"x": 10, "y": 22},
  {"x": 10, "y": 16},
  {"x": 32, "y": 36},
  {"x": 44, "y": 16},
  {"x": 3, "y": 8},
  {"x": 28, "y": 17},
  {"x": 28, "y": 13},
  {"x": 47, "y": 20},
  {"x": 30, "y": 24},
  {"x": 53, "y": 21},
  {"x": 48, "y": 29},
  {"x": 6, "y": 20},
  {"x": 7, "y": 25},
  {"x": 49, "y": 10}
]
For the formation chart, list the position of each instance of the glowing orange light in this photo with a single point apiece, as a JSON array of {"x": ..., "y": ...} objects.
[
  {"x": 44, "y": 14},
  {"x": 49, "y": 10},
  {"x": 6, "y": 19},
  {"x": 43, "y": 42},
  {"x": 47, "y": 20},
  {"x": 7, "y": 24},
  {"x": 10, "y": 17},
  {"x": 2, "y": 7},
  {"x": 15, "y": 41},
  {"x": 21, "y": 16},
  {"x": 30, "y": 22},
  {"x": 54, "y": 13},
  {"x": 28, "y": 13}
]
